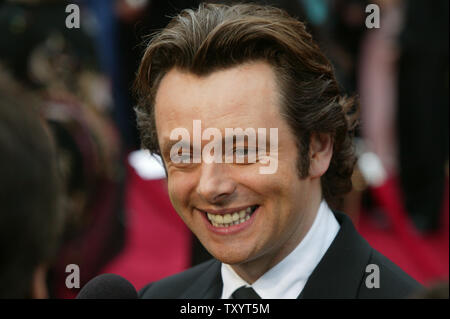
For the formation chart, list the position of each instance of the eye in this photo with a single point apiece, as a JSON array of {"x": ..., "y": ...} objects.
[
  {"x": 241, "y": 151},
  {"x": 181, "y": 157},
  {"x": 245, "y": 155}
]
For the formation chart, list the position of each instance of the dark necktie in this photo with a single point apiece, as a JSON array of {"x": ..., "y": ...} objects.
[{"x": 245, "y": 293}]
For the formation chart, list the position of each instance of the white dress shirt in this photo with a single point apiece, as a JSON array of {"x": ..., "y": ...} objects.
[{"x": 287, "y": 279}]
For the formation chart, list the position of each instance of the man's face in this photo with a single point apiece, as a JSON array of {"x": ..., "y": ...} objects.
[{"x": 245, "y": 96}]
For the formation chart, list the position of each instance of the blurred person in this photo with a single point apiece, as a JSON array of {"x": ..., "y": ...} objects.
[
  {"x": 37, "y": 29},
  {"x": 385, "y": 221},
  {"x": 61, "y": 66},
  {"x": 30, "y": 210},
  {"x": 377, "y": 85},
  {"x": 93, "y": 177},
  {"x": 422, "y": 117},
  {"x": 272, "y": 236},
  {"x": 404, "y": 93},
  {"x": 376, "y": 82}
]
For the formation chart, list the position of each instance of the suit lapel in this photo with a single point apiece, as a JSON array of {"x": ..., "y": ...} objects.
[
  {"x": 342, "y": 268},
  {"x": 338, "y": 274},
  {"x": 208, "y": 285}
]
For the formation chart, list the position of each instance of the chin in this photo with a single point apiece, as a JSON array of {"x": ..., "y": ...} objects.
[{"x": 231, "y": 257}]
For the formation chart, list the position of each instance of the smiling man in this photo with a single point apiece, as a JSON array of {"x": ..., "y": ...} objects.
[{"x": 272, "y": 235}]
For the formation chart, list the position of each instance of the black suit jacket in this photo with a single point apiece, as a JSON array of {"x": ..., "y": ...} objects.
[{"x": 341, "y": 273}]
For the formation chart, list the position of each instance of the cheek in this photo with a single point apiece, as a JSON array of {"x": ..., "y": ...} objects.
[
  {"x": 176, "y": 193},
  {"x": 287, "y": 194},
  {"x": 283, "y": 181},
  {"x": 180, "y": 188},
  {"x": 276, "y": 185}
]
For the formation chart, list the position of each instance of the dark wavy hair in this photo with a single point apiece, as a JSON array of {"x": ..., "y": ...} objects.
[
  {"x": 31, "y": 216},
  {"x": 215, "y": 37}
]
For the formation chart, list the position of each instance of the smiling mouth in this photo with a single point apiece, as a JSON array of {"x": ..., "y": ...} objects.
[{"x": 232, "y": 218}]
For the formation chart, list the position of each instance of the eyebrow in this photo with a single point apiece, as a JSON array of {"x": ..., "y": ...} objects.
[{"x": 234, "y": 137}]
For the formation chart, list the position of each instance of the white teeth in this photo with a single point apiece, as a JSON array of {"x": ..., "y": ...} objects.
[{"x": 228, "y": 220}]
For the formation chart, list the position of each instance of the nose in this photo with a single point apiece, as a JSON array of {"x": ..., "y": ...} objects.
[{"x": 215, "y": 185}]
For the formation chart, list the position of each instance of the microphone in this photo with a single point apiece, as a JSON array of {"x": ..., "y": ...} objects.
[{"x": 108, "y": 286}]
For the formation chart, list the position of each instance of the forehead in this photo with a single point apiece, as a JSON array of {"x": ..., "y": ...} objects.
[{"x": 241, "y": 96}]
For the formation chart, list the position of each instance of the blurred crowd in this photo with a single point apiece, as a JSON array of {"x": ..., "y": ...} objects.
[{"x": 72, "y": 88}]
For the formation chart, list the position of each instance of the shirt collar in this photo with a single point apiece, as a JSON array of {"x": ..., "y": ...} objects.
[{"x": 287, "y": 279}]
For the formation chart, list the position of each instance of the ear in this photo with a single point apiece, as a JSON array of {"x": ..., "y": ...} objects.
[
  {"x": 39, "y": 284},
  {"x": 320, "y": 152}
]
